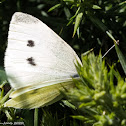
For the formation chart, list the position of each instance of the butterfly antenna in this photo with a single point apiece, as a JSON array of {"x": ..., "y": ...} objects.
[{"x": 117, "y": 42}]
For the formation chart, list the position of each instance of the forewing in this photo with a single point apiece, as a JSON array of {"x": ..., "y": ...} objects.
[{"x": 35, "y": 54}]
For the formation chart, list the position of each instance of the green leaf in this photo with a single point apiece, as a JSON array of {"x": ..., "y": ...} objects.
[
  {"x": 69, "y": 1},
  {"x": 96, "y": 7},
  {"x": 121, "y": 58},
  {"x": 5, "y": 97},
  {"x": 119, "y": 53},
  {"x": 79, "y": 117},
  {"x": 54, "y": 7},
  {"x": 110, "y": 35},
  {"x": 2, "y": 75},
  {"x": 97, "y": 22},
  {"x": 77, "y": 22},
  {"x": 86, "y": 53},
  {"x": 71, "y": 19}
]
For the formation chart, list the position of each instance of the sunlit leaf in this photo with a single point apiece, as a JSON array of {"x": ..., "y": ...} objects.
[
  {"x": 54, "y": 7},
  {"x": 77, "y": 22},
  {"x": 96, "y": 7}
]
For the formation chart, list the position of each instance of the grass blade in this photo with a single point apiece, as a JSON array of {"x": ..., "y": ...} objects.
[
  {"x": 77, "y": 22},
  {"x": 121, "y": 58}
]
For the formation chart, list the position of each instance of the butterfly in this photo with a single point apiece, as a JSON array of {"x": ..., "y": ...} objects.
[{"x": 38, "y": 63}]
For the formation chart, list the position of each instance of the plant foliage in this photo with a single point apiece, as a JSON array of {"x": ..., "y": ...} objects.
[{"x": 100, "y": 95}]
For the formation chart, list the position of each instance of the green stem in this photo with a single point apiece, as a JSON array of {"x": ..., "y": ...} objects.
[
  {"x": 6, "y": 97},
  {"x": 36, "y": 117}
]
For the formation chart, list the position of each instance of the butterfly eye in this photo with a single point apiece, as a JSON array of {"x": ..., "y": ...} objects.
[
  {"x": 31, "y": 43},
  {"x": 75, "y": 75},
  {"x": 31, "y": 61}
]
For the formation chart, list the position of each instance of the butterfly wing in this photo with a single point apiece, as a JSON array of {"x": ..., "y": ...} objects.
[
  {"x": 36, "y": 56},
  {"x": 38, "y": 97}
]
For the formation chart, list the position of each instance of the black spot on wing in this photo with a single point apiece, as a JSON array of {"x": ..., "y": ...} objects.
[
  {"x": 31, "y": 43},
  {"x": 31, "y": 61}
]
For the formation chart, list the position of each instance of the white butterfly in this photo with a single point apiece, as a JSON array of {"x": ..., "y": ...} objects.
[{"x": 38, "y": 63}]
